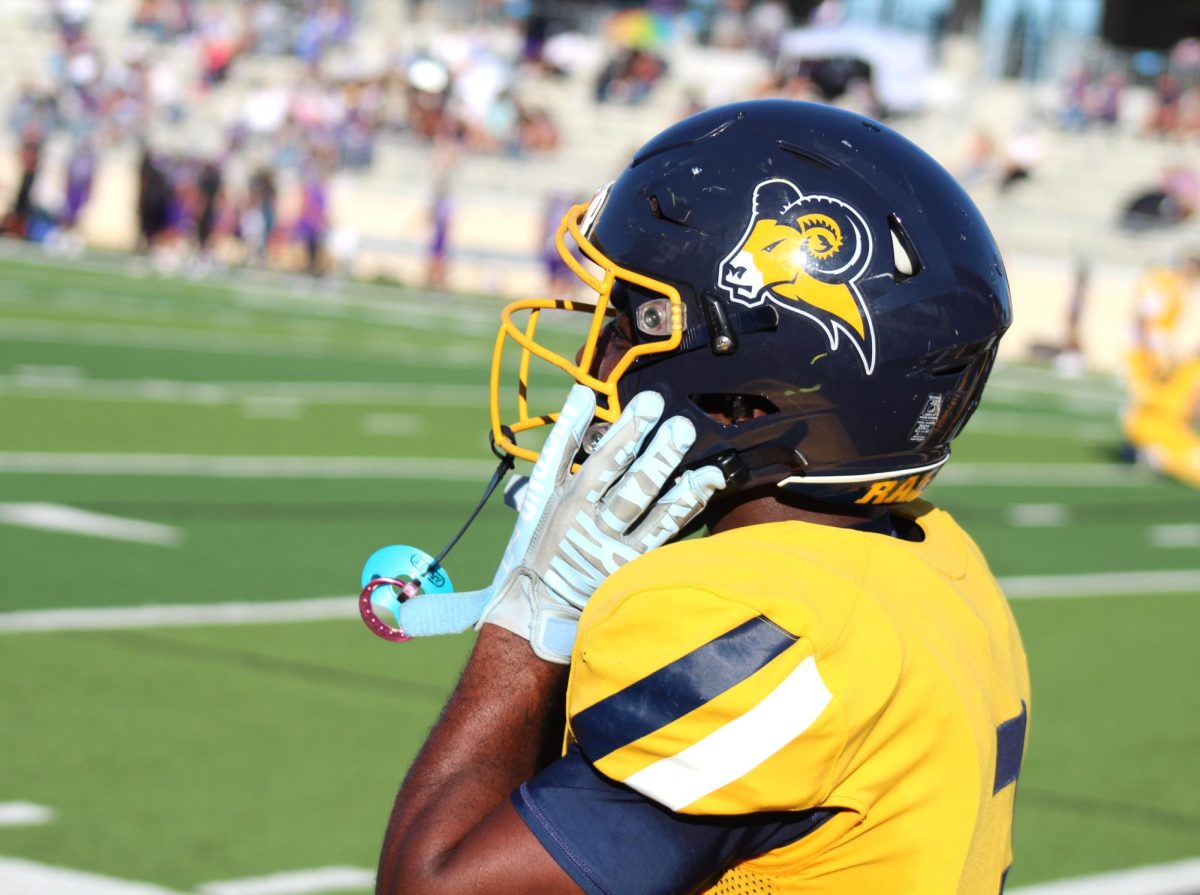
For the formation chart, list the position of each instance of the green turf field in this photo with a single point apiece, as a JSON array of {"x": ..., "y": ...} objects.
[{"x": 274, "y": 433}]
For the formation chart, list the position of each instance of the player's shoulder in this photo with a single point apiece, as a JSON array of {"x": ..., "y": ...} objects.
[
  {"x": 716, "y": 677},
  {"x": 943, "y": 547},
  {"x": 804, "y": 581}
]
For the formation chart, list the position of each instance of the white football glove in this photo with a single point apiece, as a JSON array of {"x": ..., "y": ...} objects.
[{"x": 573, "y": 531}]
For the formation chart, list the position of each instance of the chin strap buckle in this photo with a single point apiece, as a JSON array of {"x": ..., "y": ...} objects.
[{"x": 733, "y": 467}]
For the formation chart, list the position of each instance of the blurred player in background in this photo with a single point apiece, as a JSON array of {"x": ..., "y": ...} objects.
[
  {"x": 1162, "y": 382},
  {"x": 441, "y": 216},
  {"x": 81, "y": 171},
  {"x": 312, "y": 222},
  {"x": 560, "y": 280},
  {"x": 827, "y": 694}
]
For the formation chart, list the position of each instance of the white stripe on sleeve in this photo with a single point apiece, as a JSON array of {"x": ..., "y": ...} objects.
[{"x": 739, "y": 746}]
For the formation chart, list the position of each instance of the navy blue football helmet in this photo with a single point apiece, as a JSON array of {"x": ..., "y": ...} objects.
[{"x": 812, "y": 290}]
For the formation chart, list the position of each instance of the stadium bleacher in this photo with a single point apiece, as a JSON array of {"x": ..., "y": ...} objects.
[{"x": 1067, "y": 211}]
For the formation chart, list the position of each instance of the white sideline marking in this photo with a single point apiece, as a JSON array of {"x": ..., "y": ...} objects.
[
  {"x": 24, "y": 814},
  {"x": 392, "y": 424},
  {"x": 1085, "y": 398},
  {"x": 177, "y": 338},
  {"x": 272, "y": 407},
  {"x": 1012, "y": 423},
  {"x": 1176, "y": 878},
  {"x": 56, "y": 517},
  {"x": 51, "y": 382},
  {"x": 1060, "y": 475},
  {"x": 1037, "y": 515},
  {"x": 1063, "y": 475},
  {"x": 31, "y": 878},
  {"x": 300, "y": 882},
  {"x": 260, "y": 289},
  {"x": 180, "y": 338},
  {"x": 1016, "y": 587},
  {"x": 120, "y": 618},
  {"x": 1183, "y": 535},
  {"x": 210, "y": 466},
  {"x": 1102, "y": 584}
]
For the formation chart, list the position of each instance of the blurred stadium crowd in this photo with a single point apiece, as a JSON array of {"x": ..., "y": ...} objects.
[
  {"x": 459, "y": 92},
  {"x": 237, "y": 123}
]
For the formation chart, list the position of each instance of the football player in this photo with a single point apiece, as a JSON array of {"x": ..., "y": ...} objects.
[
  {"x": 1164, "y": 390},
  {"x": 796, "y": 313}
]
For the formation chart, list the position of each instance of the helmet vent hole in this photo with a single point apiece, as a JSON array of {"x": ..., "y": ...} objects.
[
  {"x": 806, "y": 154},
  {"x": 733, "y": 408},
  {"x": 951, "y": 369},
  {"x": 672, "y": 207},
  {"x": 905, "y": 263}
]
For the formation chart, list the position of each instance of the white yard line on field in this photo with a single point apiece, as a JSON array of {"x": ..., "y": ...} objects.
[
  {"x": 1062, "y": 475},
  {"x": 392, "y": 424},
  {"x": 1082, "y": 400},
  {"x": 1019, "y": 424},
  {"x": 319, "y": 881},
  {"x": 1017, "y": 587},
  {"x": 126, "y": 335},
  {"x": 1102, "y": 584},
  {"x": 70, "y": 383},
  {"x": 1038, "y": 515},
  {"x": 31, "y": 878},
  {"x": 1040, "y": 380},
  {"x": 207, "y": 466},
  {"x": 70, "y": 520},
  {"x": 73, "y": 383},
  {"x": 178, "y": 338},
  {"x": 1186, "y": 534},
  {"x": 187, "y": 615},
  {"x": 1176, "y": 878},
  {"x": 259, "y": 288},
  {"x": 24, "y": 814},
  {"x": 271, "y": 407}
]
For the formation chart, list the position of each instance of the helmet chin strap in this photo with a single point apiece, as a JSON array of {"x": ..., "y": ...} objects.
[{"x": 507, "y": 462}]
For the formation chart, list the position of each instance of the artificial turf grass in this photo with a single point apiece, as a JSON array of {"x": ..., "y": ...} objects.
[{"x": 184, "y": 756}]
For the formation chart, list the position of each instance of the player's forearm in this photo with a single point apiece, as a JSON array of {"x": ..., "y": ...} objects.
[{"x": 502, "y": 724}]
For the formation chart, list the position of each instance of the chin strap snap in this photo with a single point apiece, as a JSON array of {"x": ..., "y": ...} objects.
[{"x": 721, "y": 325}]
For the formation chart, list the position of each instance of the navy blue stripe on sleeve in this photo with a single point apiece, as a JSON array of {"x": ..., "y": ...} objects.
[
  {"x": 678, "y": 688},
  {"x": 1010, "y": 748},
  {"x": 613, "y": 841}
]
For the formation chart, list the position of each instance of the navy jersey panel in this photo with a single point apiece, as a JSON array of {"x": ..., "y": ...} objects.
[{"x": 614, "y": 841}]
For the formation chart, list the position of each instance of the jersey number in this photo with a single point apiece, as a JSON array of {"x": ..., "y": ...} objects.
[{"x": 1010, "y": 749}]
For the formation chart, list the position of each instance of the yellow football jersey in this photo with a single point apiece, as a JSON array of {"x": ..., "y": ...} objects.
[
  {"x": 793, "y": 666},
  {"x": 1158, "y": 305},
  {"x": 1159, "y": 301},
  {"x": 1161, "y": 423}
]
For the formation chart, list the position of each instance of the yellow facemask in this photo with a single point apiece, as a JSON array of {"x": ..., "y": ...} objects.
[{"x": 608, "y": 404}]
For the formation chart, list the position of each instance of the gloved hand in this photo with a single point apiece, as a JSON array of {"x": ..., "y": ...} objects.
[{"x": 573, "y": 531}]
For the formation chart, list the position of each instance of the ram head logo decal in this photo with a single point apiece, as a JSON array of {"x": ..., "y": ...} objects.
[{"x": 804, "y": 254}]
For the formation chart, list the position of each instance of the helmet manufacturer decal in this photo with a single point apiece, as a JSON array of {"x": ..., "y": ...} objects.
[
  {"x": 928, "y": 419},
  {"x": 805, "y": 254}
]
